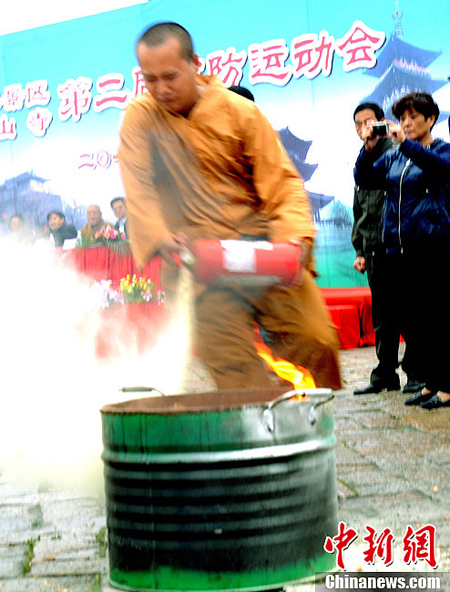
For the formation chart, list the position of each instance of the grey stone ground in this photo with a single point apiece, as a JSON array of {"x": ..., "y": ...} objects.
[{"x": 393, "y": 469}]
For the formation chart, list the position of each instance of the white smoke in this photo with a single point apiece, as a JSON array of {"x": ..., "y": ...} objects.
[{"x": 53, "y": 384}]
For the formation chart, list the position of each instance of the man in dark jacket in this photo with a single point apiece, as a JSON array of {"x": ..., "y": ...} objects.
[
  {"x": 370, "y": 257},
  {"x": 119, "y": 208},
  {"x": 59, "y": 229}
]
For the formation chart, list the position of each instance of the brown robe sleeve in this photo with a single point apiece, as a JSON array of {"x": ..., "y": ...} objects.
[{"x": 146, "y": 226}]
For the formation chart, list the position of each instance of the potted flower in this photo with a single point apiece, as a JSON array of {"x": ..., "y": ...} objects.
[
  {"x": 133, "y": 318},
  {"x": 108, "y": 236}
]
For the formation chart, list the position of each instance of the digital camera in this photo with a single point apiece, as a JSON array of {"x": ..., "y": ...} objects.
[{"x": 380, "y": 129}]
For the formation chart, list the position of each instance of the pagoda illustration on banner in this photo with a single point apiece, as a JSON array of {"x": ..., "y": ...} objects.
[
  {"x": 297, "y": 150},
  {"x": 402, "y": 68}
]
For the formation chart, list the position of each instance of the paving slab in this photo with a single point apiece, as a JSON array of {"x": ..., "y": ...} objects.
[{"x": 393, "y": 469}]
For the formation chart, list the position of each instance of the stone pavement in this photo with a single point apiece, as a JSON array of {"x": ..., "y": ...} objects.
[{"x": 393, "y": 469}]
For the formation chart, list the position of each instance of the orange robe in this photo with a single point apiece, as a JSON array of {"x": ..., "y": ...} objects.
[
  {"x": 88, "y": 231},
  {"x": 218, "y": 174}
]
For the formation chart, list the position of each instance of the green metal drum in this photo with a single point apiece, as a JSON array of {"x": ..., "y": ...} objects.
[{"x": 227, "y": 490}]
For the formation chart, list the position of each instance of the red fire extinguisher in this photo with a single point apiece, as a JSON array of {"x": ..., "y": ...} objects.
[{"x": 256, "y": 263}]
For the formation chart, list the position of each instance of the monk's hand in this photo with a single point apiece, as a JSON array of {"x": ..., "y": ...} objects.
[
  {"x": 305, "y": 253},
  {"x": 170, "y": 248}
]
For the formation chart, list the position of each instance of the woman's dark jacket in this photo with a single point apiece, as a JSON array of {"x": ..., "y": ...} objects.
[{"x": 417, "y": 204}]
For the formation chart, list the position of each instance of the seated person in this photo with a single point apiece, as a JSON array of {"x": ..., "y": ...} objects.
[
  {"x": 59, "y": 229},
  {"x": 120, "y": 212},
  {"x": 95, "y": 222},
  {"x": 18, "y": 231}
]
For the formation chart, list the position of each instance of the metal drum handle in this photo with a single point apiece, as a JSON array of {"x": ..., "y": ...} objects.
[
  {"x": 268, "y": 418},
  {"x": 140, "y": 389}
]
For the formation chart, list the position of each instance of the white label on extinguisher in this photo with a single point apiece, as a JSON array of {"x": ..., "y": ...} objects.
[
  {"x": 238, "y": 256},
  {"x": 263, "y": 245}
]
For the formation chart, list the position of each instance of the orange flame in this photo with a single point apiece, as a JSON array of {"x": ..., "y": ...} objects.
[{"x": 298, "y": 376}]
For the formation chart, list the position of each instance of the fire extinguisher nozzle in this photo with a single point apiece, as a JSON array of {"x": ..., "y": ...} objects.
[{"x": 188, "y": 259}]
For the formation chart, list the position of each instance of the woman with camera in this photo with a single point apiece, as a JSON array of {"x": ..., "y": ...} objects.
[{"x": 416, "y": 235}]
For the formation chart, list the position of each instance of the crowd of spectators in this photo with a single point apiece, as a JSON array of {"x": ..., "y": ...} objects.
[{"x": 61, "y": 234}]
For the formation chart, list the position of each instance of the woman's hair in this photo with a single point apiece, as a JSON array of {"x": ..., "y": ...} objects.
[{"x": 420, "y": 102}]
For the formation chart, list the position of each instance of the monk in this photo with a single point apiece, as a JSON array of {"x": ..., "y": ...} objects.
[
  {"x": 200, "y": 162},
  {"x": 95, "y": 223}
]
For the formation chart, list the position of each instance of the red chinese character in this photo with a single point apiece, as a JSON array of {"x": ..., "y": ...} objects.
[
  {"x": 382, "y": 546},
  {"x": 420, "y": 545},
  {"x": 13, "y": 97},
  {"x": 8, "y": 129},
  {"x": 87, "y": 160},
  {"x": 340, "y": 543},
  {"x": 202, "y": 65},
  {"x": 37, "y": 93},
  {"x": 110, "y": 94},
  {"x": 103, "y": 159},
  {"x": 358, "y": 47},
  {"x": 267, "y": 62},
  {"x": 38, "y": 121},
  {"x": 138, "y": 83},
  {"x": 312, "y": 54},
  {"x": 227, "y": 65},
  {"x": 75, "y": 98}
]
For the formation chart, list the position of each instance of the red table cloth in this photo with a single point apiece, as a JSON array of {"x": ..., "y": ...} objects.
[
  {"x": 350, "y": 308},
  {"x": 105, "y": 263},
  {"x": 359, "y": 297}
]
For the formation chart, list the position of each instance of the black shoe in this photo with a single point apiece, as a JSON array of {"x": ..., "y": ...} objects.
[
  {"x": 412, "y": 386},
  {"x": 376, "y": 388},
  {"x": 434, "y": 402},
  {"x": 418, "y": 398}
]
